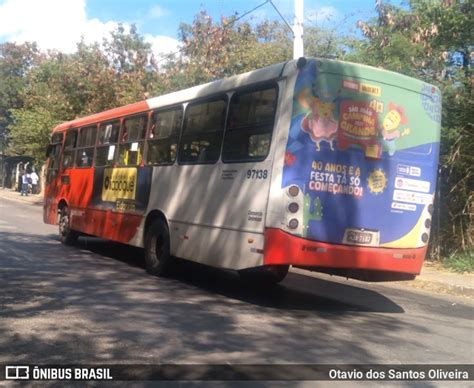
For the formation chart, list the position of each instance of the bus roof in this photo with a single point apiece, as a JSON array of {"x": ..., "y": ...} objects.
[
  {"x": 241, "y": 80},
  {"x": 105, "y": 115},
  {"x": 255, "y": 76}
]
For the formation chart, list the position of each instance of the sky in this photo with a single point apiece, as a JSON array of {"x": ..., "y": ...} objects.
[{"x": 60, "y": 24}]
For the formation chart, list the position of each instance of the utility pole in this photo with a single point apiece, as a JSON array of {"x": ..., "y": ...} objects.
[{"x": 298, "y": 49}]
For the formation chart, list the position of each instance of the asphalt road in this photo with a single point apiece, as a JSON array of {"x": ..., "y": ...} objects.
[{"x": 95, "y": 303}]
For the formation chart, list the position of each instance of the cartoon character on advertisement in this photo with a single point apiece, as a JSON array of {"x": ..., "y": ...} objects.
[
  {"x": 318, "y": 122},
  {"x": 394, "y": 118},
  {"x": 358, "y": 126}
]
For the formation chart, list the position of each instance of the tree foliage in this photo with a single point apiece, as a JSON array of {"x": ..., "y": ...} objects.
[
  {"x": 32, "y": 131},
  {"x": 15, "y": 62},
  {"x": 216, "y": 49},
  {"x": 57, "y": 87}
]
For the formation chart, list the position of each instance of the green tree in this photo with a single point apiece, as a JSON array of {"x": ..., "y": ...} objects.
[
  {"x": 133, "y": 62},
  {"x": 213, "y": 50},
  {"x": 46, "y": 102},
  {"x": 434, "y": 41},
  {"x": 60, "y": 87},
  {"x": 15, "y": 63},
  {"x": 32, "y": 130}
]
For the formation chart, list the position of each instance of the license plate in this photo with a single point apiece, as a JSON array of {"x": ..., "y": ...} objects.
[{"x": 361, "y": 237}]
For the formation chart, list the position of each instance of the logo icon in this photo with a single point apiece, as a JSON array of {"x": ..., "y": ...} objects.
[
  {"x": 119, "y": 183},
  {"x": 17, "y": 372},
  {"x": 377, "y": 181}
]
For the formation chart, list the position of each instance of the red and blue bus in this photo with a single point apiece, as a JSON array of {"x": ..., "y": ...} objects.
[{"x": 314, "y": 163}]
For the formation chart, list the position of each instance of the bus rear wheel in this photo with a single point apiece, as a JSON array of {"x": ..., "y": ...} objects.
[
  {"x": 266, "y": 275},
  {"x": 66, "y": 234},
  {"x": 157, "y": 248}
]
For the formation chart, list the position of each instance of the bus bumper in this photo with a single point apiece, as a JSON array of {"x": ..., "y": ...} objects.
[{"x": 363, "y": 263}]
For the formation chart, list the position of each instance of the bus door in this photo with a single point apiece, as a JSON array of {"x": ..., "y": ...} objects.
[
  {"x": 52, "y": 186},
  {"x": 67, "y": 164},
  {"x": 121, "y": 183}
]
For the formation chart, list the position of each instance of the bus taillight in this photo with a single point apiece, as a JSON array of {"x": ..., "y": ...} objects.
[
  {"x": 293, "y": 223},
  {"x": 293, "y": 207},
  {"x": 293, "y": 190}
]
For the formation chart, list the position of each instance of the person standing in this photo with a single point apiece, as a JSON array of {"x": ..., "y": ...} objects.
[
  {"x": 24, "y": 183},
  {"x": 19, "y": 170},
  {"x": 34, "y": 182}
]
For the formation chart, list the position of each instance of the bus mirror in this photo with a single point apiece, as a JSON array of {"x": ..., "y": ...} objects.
[{"x": 48, "y": 150}]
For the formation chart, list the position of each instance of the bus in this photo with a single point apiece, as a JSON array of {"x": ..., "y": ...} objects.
[{"x": 314, "y": 163}]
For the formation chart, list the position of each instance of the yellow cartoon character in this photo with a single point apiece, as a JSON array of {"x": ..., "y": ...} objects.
[
  {"x": 390, "y": 127},
  {"x": 318, "y": 122}
]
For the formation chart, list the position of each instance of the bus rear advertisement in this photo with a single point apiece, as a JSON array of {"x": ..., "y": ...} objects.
[{"x": 320, "y": 164}]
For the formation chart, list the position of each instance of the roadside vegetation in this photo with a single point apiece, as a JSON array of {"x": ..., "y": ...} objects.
[
  {"x": 432, "y": 40},
  {"x": 462, "y": 262}
]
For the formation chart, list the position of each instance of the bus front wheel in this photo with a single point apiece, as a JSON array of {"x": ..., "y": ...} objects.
[
  {"x": 266, "y": 275},
  {"x": 66, "y": 234},
  {"x": 157, "y": 248}
]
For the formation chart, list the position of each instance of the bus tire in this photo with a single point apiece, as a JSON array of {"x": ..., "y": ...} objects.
[
  {"x": 66, "y": 234},
  {"x": 157, "y": 248},
  {"x": 266, "y": 275}
]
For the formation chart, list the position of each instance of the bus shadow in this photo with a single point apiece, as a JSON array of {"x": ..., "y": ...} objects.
[{"x": 296, "y": 292}]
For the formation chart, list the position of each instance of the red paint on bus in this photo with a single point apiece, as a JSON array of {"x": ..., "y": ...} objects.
[{"x": 283, "y": 248}]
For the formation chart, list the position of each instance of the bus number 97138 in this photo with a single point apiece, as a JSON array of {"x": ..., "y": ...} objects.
[{"x": 257, "y": 174}]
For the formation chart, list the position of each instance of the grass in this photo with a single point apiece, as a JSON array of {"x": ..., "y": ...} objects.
[{"x": 460, "y": 262}]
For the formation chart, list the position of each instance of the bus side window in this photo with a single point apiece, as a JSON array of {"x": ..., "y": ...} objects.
[
  {"x": 163, "y": 136},
  {"x": 85, "y": 146},
  {"x": 250, "y": 125},
  {"x": 69, "y": 149},
  {"x": 132, "y": 140},
  {"x": 54, "y": 156},
  {"x": 202, "y": 131},
  {"x": 106, "y": 143}
]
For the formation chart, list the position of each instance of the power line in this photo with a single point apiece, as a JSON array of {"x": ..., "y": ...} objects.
[
  {"x": 282, "y": 17},
  {"x": 230, "y": 24}
]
